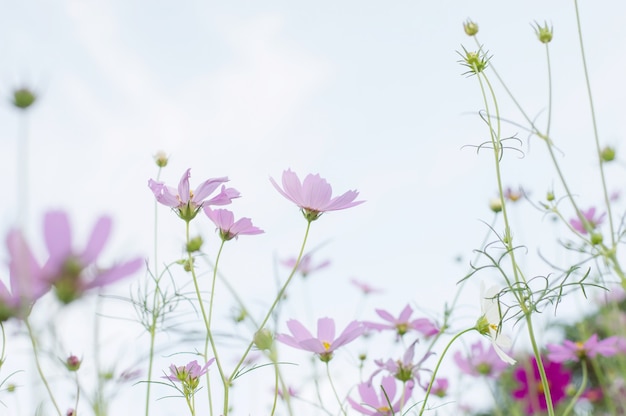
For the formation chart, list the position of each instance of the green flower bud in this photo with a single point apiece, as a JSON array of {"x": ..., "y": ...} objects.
[
  {"x": 550, "y": 196},
  {"x": 596, "y": 238},
  {"x": 544, "y": 33},
  {"x": 607, "y": 154},
  {"x": 470, "y": 28},
  {"x": 23, "y": 98},
  {"x": 161, "y": 159},
  {"x": 263, "y": 339},
  {"x": 475, "y": 61},
  {"x": 495, "y": 204},
  {"x": 195, "y": 244}
]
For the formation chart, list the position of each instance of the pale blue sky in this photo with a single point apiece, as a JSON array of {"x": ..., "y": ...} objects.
[{"x": 368, "y": 94}]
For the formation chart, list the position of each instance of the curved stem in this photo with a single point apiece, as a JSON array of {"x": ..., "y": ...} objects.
[
  {"x": 332, "y": 385},
  {"x": 443, "y": 354},
  {"x": 38, "y": 364},
  {"x": 583, "y": 385}
]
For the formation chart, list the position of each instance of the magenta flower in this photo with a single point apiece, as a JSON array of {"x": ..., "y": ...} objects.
[
  {"x": 313, "y": 195},
  {"x": 73, "y": 272},
  {"x": 590, "y": 219},
  {"x": 403, "y": 324},
  {"x": 480, "y": 361},
  {"x": 440, "y": 387},
  {"x": 530, "y": 390},
  {"x": 306, "y": 266},
  {"x": 187, "y": 203},
  {"x": 380, "y": 403},
  {"x": 325, "y": 343},
  {"x": 26, "y": 279},
  {"x": 577, "y": 351},
  {"x": 225, "y": 222}
]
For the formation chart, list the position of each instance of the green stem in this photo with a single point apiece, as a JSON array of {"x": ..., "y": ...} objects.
[
  {"x": 540, "y": 367},
  {"x": 443, "y": 354},
  {"x": 210, "y": 339},
  {"x": 39, "y": 369},
  {"x": 583, "y": 385},
  {"x": 332, "y": 385}
]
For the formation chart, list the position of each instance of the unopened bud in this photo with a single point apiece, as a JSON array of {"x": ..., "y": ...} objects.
[
  {"x": 161, "y": 159},
  {"x": 72, "y": 363},
  {"x": 23, "y": 98},
  {"x": 263, "y": 339},
  {"x": 544, "y": 33},
  {"x": 607, "y": 154},
  {"x": 495, "y": 204},
  {"x": 470, "y": 28},
  {"x": 195, "y": 244}
]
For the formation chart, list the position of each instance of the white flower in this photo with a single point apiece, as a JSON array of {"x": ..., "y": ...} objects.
[{"x": 490, "y": 320}]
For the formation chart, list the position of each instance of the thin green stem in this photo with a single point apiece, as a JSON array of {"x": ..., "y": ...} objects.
[
  {"x": 579, "y": 392},
  {"x": 332, "y": 386},
  {"x": 595, "y": 124},
  {"x": 443, "y": 354},
  {"x": 42, "y": 376}
]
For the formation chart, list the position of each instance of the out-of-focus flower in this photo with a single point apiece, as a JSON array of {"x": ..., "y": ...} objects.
[
  {"x": 530, "y": 389},
  {"x": 577, "y": 351},
  {"x": 26, "y": 279},
  {"x": 404, "y": 369},
  {"x": 306, "y": 265},
  {"x": 366, "y": 288},
  {"x": 481, "y": 361},
  {"x": 188, "y": 375},
  {"x": 187, "y": 203},
  {"x": 73, "y": 363},
  {"x": 128, "y": 375},
  {"x": 325, "y": 343},
  {"x": 375, "y": 402},
  {"x": 590, "y": 219},
  {"x": 440, "y": 387},
  {"x": 313, "y": 195},
  {"x": 490, "y": 323},
  {"x": 402, "y": 324},
  {"x": 513, "y": 195},
  {"x": 73, "y": 272},
  {"x": 291, "y": 392},
  {"x": 225, "y": 222}
]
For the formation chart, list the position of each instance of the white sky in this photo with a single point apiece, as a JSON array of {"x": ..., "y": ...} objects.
[{"x": 367, "y": 94}]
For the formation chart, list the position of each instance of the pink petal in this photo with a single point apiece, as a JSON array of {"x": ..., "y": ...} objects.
[
  {"x": 207, "y": 188},
  {"x": 183, "y": 187},
  {"x": 326, "y": 330},
  {"x": 97, "y": 240},
  {"x": 57, "y": 235}
]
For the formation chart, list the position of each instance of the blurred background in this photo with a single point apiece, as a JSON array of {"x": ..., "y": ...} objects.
[{"x": 369, "y": 95}]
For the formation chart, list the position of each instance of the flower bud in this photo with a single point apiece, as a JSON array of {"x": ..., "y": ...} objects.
[
  {"x": 596, "y": 238},
  {"x": 23, "y": 98},
  {"x": 72, "y": 363},
  {"x": 544, "y": 33},
  {"x": 470, "y": 28},
  {"x": 195, "y": 244},
  {"x": 550, "y": 196},
  {"x": 607, "y": 154},
  {"x": 263, "y": 339},
  {"x": 161, "y": 159},
  {"x": 495, "y": 204}
]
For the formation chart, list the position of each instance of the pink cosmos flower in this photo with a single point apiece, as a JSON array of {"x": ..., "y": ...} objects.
[
  {"x": 590, "y": 218},
  {"x": 325, "y": 343},
  {"x": 379, "y": 402},
  {"x": 187, "y": 203},
  {"x": 188, "y": 375},
  {"x": 440, "y": 387},
  {"x": 366, "y": 288},
  {"x": 306, "y": 265},
  {"x": 480, "y": 361},
  {"x": 313, "y": 195},
  {"x": 404, "y": 369},
  {"x": 403, "y": 324},
  {"x": 224, "y": 220},
  {"x": 530, "y": 390},
  {"x": 26, "y": 279},
  {"x": 577, "y": 351},
  {"x": 72, "y": 272}
]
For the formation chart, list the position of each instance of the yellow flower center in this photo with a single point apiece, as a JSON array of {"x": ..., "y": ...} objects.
[{"x": 326, "y": 345}]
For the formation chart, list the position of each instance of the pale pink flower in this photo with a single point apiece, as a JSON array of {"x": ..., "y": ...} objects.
[
  {"x": 188, "y": 373},
  {"x": 590, "y": 218},
  {"x": 313, "y": 195},
  {"x": 73, "y": 272},
  {"x": 481, "y": 361},
  {"x": 325, "y": 343},
  {"x": 306, "y": 265},
  {"x": 379, "y": 401},
  {"x": 187, "y": 203},
  {"x": 576, "y": 351},
  {"x": 366, "y": 288},
  {"x": 225, "y": 222},
  {"x": 404, "y": 369},
  {"x": 402, "y": 324}
]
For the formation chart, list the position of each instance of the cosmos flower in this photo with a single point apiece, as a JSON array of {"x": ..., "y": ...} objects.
[
  {"x": 404, "y": 369},
  {"x": 366, "y": 288},
  {"x": 379, "y": 402},
  {"x": 530, "y": 388},
  {"x": 306, "y": 265},
  {"x": 590, "y": 219},
  {"x": 402, "y": 324},
  {"x": 481, "y": 361},
  {"x": 490, "y": 320},
  {"x": 313, "y": 195},
  {"x": 188, "y": 375},
  {"x": 577, "y": 351},
  {"x": 325, "y": 343},
  {"x": 225, "y": 222},
  {"x": 26, "y": 279},
  {"x": 72, "y": 272},
  {"x": 187, "y": 203}
]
